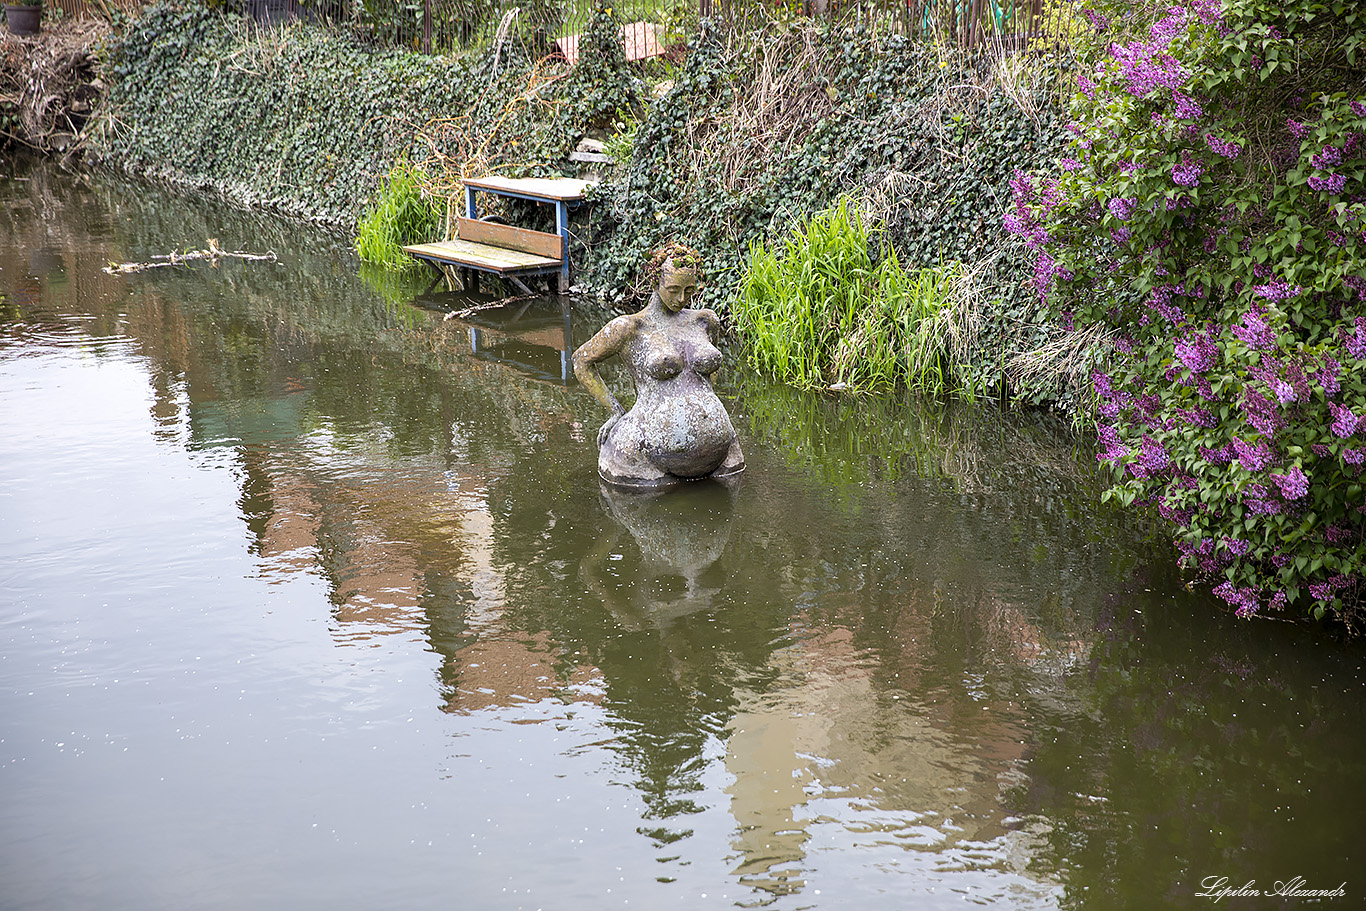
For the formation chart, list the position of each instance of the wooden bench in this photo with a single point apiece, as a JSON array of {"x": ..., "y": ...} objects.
[{"x": 506, "y": 250}]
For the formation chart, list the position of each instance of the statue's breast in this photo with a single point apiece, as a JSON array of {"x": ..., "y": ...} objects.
[{"x": 662, "y": 362}]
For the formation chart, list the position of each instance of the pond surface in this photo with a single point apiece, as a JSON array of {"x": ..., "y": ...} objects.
[{"x": 310, "y": 598}]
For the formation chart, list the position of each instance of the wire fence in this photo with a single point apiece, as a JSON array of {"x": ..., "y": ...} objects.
[
  {"x": 542, "y": 26},
  {"x": 92, "y": 9},
  {"x": 965, "y": 22}
]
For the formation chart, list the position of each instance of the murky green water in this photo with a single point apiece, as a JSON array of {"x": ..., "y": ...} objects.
[{"x": 311, "y": 599}]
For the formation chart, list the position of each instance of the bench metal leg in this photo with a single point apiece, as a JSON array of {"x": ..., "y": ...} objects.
[{"x": 562, "y": 225}]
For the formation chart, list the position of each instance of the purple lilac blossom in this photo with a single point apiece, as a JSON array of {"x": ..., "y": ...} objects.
[
  {"x": 1277, "y": 290},
  {"x": 1356, "y": 342},
  {"x": 1187, "y": 108},
  {"x": 1354, "y": 456},
  {"x": 1114, "y": 447},
  {"x": 1221, "y": 456},
  {"x": 1161, "y": 301},
  {"x": 1323, "y": 591},
  {"x": 1197, "y": 417},
  {"x": 1327, "y": 378},
  {"x": 1333, "y": 183},
  {"x": 1254, "y": 332},
  {"x": 1187, "y": 173},
  {"x": 1345, "y": 422},
  {"x": 1293, "y": 484},
  {"x": 1359, "y": 108},
  {"x": 1175, "y": 515},
  {"x": 1153, "y": 455},
  {"x": 1147, "y": 67},
  {"x": 1261, "y": 413},
  {"x": 1244, "y": 599},
  {"x": 1254, "y": 456},
  {"x": 1328, "y": 158},
  {"x": 1284, "y": 391},
  {"x": 1121, "y": 207},
  {"x": 1197, "y": 352},
  {"x": 1222, "y": 147},
  {"x": 1208, "y": 11}
]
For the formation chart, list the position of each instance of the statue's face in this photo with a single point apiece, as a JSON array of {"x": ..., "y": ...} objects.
[{"x": 677, "y": 287}]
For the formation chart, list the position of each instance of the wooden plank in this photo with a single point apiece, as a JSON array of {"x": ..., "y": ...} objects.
[
  {"x": 549, "y": 189},
  {"x": 523, "y": 239},
  {"x": 640, "y": 40},
  {"x": 489, "y": 258}
]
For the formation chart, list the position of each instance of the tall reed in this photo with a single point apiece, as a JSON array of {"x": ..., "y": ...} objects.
[
  {"x": 400, "y": 214},
  {"x": 820, "y": 311}
]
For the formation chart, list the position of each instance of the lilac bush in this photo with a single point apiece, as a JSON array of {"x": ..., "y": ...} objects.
[{"x": 1210, "y": 213}]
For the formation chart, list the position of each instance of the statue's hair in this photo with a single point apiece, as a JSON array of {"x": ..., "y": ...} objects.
[{"x": 673, "y": 255}]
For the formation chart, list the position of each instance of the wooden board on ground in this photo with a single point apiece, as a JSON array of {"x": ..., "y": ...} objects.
[
  {"x": 641, "y": 40},
  {"x": 513, "y": 238},
  {"x": 460, "y": 252}
]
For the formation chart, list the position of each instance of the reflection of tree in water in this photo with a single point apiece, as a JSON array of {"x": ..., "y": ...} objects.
[{"x": 1207, "y": 746}]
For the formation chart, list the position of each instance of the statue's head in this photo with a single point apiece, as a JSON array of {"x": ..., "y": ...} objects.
[{"x": 678, "y": 269}]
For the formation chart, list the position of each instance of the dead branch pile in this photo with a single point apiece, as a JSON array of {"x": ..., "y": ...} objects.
[
  {"x": 480, "y": 142},
  {"x": 48, "y": 86},
  {"x": 213, "y": 254}
]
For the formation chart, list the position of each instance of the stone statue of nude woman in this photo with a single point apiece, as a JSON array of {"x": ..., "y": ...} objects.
[{"x": 677, "y": 430}]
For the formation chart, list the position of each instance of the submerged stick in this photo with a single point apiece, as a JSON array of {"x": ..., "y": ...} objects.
[{"x": 213, "y": 254}]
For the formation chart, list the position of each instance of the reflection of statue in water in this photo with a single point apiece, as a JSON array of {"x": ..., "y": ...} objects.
[
  {"x": 680, "y": 537},
  {"x": 678, "y": 429}
]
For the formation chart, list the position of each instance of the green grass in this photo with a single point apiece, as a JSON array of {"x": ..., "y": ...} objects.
[
  {"x": 820, "y": 311},
  {"x": 398, "y": 215}
]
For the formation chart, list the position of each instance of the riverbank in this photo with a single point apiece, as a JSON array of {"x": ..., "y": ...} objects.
[{"x": 745, "y": 136}]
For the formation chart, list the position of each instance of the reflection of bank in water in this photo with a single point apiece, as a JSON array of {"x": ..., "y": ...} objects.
[
  {"x": 533, "y": 336},
  {"x": 669, "y": 564}
]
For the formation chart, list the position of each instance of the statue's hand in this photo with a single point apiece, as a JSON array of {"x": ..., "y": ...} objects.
[{"x": 606, "y": 428}]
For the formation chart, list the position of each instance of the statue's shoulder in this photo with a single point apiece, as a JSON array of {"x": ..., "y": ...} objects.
[
  {"x": 622, "y": 325},
  {"x": 707, "y": 317}
]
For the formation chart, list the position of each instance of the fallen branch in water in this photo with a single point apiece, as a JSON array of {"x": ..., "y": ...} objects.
[{"x": 213, "y": 255}]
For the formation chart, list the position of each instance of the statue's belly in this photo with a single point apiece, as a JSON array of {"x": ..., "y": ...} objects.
[{"x": 684, "y": 431}]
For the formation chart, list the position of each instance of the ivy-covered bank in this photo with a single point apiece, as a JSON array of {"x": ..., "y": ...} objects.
[
  {"x": 300, "y": 119},
  {"x": 745, "y": 137}
]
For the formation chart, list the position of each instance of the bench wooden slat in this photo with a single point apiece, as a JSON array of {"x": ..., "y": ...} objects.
[
  {"x": 527, "y": 241},
  {"x": 461, "y": 252}
]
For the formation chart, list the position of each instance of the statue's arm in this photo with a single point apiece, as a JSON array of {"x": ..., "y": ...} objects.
[{"x": 609, "y": 342}]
